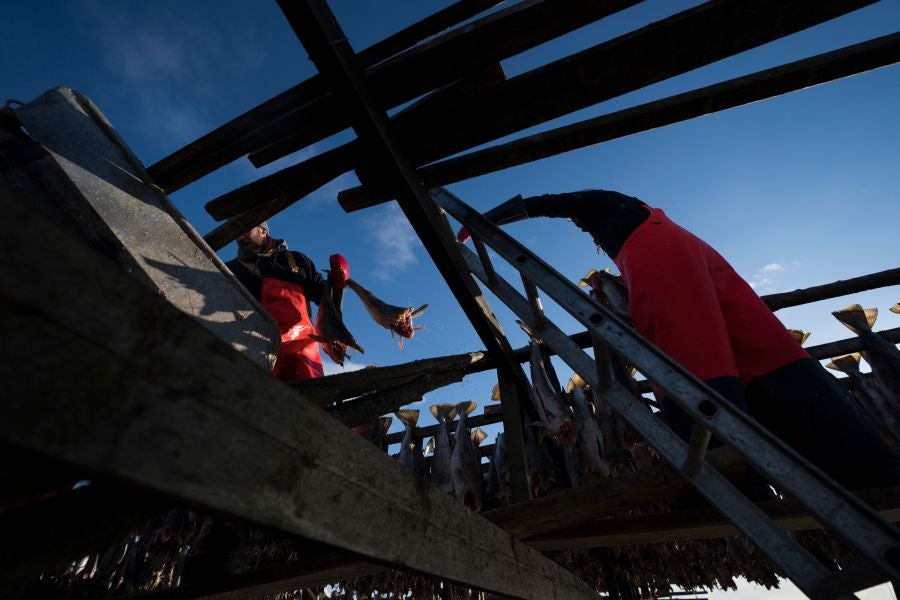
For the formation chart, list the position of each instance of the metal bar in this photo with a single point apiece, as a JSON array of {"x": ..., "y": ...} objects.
[
  {"x": 740, "y": 91},
  {"x": 865, "y": 531}
]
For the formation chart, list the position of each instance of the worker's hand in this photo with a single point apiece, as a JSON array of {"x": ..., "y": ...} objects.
[
  {"x": 340, "y": 271},
  {"x": 463, "y": 235}
]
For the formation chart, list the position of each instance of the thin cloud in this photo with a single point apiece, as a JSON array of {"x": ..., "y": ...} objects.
[
  {"x": 394, "y": 241},
  {"x": 163, "y": 66},
  {"x": 765, "y": 280}
]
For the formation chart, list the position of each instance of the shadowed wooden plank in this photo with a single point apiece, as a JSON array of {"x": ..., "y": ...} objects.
[{"x": 141, "y": 393}]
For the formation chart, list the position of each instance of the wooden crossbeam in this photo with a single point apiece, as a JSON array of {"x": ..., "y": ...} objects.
[
  {"x": 697, "y": 524},
  {"x": 686, "y": 41},
  {"x": 237, "y": 137},
  {"x": 703, "y": 34},
  {"x": 497, "y": 36},
  {"x": 142, "y": 394},
  {"x": 612, "y": 496},
  {"x": 721, "y": 96},
  {"x": 837, "y": 288}
]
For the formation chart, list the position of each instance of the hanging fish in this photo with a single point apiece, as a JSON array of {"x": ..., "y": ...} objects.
[
  {"x": 395, "y": 318},
  {"x": 895, "y": 308},
  {"x": 330, "y": 329},
  {"x": 882, "y": 355},
  {"x": 872, "y": 398},
  {"x": 590, "y": 438},
  {"x": 409, "y": 418},
  {"x": 541, "y": 470},
  {"x": 554, "y": 418},
  {"x": 465, "y": 464},
  {"x": 608, "y": 289},
  {"x": 498, "y": 485},
  {"x": 441, "y": 475}
]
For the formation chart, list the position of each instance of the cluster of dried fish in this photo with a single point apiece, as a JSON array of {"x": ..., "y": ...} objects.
[
  {"x": 877, "y": 392},
  {"x": 455, "y": 463}
]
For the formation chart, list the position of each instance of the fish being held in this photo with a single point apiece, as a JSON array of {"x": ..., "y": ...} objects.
[
  {"x": 465, "y": 463},
  {"x": 608, "y": 289},
  {"x": 395, "y": 318},
  {"x": 330, "y": 329},
  {"x": 440, "y": 461}
]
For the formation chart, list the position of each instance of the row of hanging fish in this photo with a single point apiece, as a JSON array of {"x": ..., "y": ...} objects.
[
  {"x": 878, "y": 392},
  {"x": 332, "y": 333}
]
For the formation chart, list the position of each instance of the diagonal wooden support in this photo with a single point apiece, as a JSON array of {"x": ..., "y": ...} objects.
[
  {"x": 323, "y": 39},
  {"x": 104, "y": 375}
]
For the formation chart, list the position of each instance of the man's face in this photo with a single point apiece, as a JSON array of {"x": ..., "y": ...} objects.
[{"x": 254, "y": 239}]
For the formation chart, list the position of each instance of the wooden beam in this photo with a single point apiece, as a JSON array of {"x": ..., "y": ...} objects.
[
  {"x": 686, "y": 41},
  {"x": 329, "y": 50},
  {"x": 722, "y": 96},
  {"x": 609, "y": 497},
  {"x": 854, "y": 344},
  {"x": 496, "y": 36},
  {"x": 107, "y": 376},
  {"x": 833, "y": 290},
  {"x": 234, "y": 139},
  {"x": 697, "y": 524}
]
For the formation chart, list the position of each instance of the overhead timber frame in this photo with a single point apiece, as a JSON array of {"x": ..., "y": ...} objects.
[{"x": 318, "y": 474}]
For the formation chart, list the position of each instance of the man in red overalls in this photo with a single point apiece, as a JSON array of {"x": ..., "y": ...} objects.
[
  {"x": 688, "y": 301},
  {"x": 284, "y": 282}
]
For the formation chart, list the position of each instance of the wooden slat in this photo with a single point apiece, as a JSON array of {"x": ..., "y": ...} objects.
[
  {"x": 236, "y": 138},
  {"x": 722, "y": 96},
  {"x": 612, "y": 496},
  {"x": 142, "y": 394},
  {"x": 838, "y": 288},
  {"x": 327, "y": 46},
  {"x": 497, "y": 36},
  {"x": 686, "y": 41},
  {"x": 698, "y": 524},
  {"x": 854, "y": 344}
]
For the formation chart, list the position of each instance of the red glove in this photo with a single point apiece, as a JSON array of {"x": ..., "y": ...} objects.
[
  {"x": 340, "y": 271},
  {"x": 463, "y": 235}
]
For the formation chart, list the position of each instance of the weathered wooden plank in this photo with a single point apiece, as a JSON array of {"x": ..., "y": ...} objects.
[
  {"x": 107, "y": 376},
  {"x": 327, "y": 46},
  {"x": 697, "y": 524},
  {"x": 346, "y": 385},
  {"x": 609, "y": 497},
  {"x": 234, "y": 139},
  {"x": 854, "y": 344},
  {"x": 496, "y": 36},
  {"x": 686, "y": 41},
  {"x": 722, "y": 96}
]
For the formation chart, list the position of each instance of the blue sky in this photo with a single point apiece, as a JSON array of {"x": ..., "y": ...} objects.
[{"x": 795, "y": 191}]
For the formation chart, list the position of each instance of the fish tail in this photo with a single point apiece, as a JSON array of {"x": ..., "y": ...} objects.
[
  {"x": 478, "y": 436},
  {"x": 466, "y": 407},
  {"x": 409, "y": 416},
  {"x": 856, "y": 318},
  {"x": 443, "y": 412}
]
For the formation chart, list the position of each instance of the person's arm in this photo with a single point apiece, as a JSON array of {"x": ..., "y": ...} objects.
[
  {"x": 309, "y": 278},
  {"x": 519, "y": 208}
]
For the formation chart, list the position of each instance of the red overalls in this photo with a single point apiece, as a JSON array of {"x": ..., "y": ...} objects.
[
  {"x": 687, "y": 300},
  {"x": 298, "y": 355}
]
